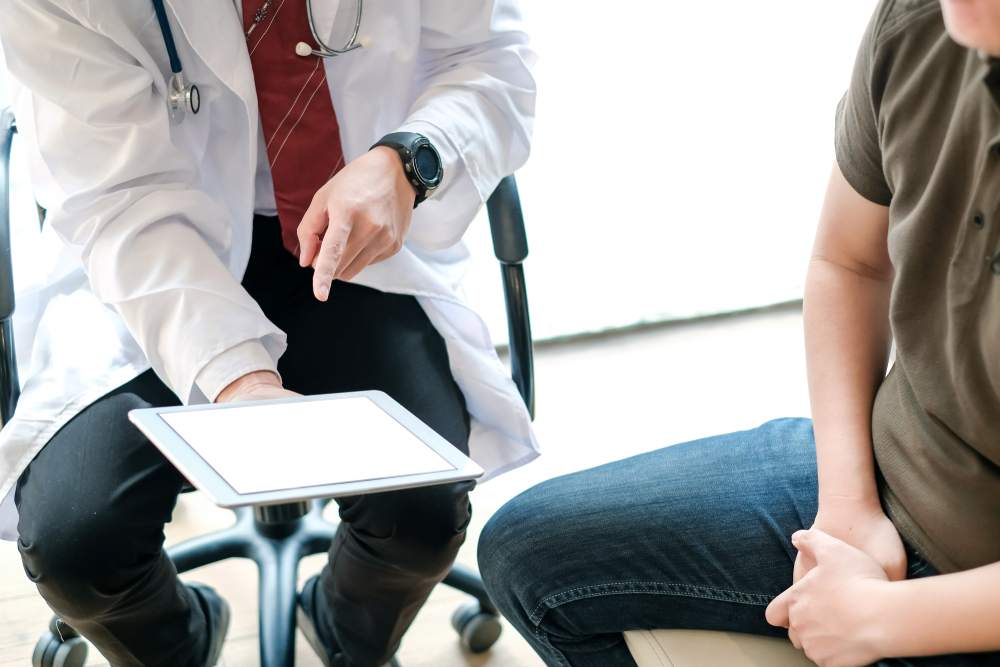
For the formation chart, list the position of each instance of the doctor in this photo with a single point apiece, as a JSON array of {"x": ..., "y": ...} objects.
[{"x": 266, "y": 245}]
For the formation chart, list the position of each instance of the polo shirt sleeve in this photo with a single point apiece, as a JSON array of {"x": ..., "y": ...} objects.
[{"x": 857, "y": 141}]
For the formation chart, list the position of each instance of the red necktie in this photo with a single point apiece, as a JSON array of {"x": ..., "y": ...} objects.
[{"x": 300, "y": 126}]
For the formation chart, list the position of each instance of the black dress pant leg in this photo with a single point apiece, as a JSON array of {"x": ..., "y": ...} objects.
[
  {"x": 392, "y": 548},
  {"x": 91, "y": 507}
]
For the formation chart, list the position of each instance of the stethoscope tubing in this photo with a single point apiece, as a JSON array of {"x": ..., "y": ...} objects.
[
  {"x": 168, "y": 36},
  {"x": 324, "y": 50}
]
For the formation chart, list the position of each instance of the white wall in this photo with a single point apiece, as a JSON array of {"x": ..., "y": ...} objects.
[
  {"x": 681, "y": 152},
  {"x": 680, "y": 157}
]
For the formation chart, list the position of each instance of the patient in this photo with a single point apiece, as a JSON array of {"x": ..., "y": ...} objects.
[{"x": 873, "y": 531}]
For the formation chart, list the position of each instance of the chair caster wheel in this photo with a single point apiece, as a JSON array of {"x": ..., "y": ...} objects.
[
  {"x": 51, "y": 651},
  {"x": 478, "y": 630}
]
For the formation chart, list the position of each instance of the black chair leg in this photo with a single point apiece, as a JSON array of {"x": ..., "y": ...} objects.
[
  {"x": 277, "y": 562},
  {"x": 233, "y": 542},
  {"x": 467, "y": 580}
]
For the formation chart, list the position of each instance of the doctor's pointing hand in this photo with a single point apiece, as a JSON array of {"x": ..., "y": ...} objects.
[{"x": 360, "y": 217}]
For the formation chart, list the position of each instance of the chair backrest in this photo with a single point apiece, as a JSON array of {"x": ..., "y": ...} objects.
[
  {"x": 510, "y": 244},
  {"x": 10, "y": 386}
]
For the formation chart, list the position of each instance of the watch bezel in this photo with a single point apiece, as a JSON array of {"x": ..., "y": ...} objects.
[
  {"x": 420, "y": 143},
  {"x": 406, "y": 145},
  {"x": 421, "y": 146}
]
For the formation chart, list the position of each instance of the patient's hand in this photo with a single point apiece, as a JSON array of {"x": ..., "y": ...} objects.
[
  {"x": 865, "y": 528},
  {"x": 832, "y": 612},
  {"x": 360, "y": 217},
  {"x": 256, "y": 386}
]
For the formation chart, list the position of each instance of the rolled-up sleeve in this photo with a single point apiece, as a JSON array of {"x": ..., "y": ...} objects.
[{"x": 475, "y": 100}]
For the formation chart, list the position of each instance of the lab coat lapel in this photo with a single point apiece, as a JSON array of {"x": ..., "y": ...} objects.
[{"x": 213, "y": 28}]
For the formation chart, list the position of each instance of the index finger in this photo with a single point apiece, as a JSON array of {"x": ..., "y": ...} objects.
[
  {"x": 311, "y": 229},
  {"x": 330, "y": 255}
]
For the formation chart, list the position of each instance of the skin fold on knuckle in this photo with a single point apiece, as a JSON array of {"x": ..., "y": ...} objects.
[{"x": 332, "y": 251}]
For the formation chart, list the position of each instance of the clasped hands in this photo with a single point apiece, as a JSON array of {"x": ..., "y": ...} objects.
[
  {"x": 832, "y": 608},
  {"x": 360, "y": 217}
]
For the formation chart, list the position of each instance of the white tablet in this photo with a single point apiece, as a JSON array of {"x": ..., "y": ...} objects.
[{"x": 290, "y": 449}]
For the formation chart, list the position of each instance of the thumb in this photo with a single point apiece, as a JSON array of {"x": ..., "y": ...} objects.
[
  {"x": 777, "y": 612},
  {"x": 814, "y": 544}
]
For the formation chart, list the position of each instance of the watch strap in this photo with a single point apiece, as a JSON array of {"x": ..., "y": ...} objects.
[{"x": 405, "y": 143}]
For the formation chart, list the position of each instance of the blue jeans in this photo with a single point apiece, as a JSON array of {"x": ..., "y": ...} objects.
[{"x": 695, "y": 536}]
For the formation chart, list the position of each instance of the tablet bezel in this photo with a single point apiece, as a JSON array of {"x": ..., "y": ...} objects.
[{"x": 205, "y": 478}]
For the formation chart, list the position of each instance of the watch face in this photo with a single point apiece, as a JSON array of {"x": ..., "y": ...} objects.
[{"x": 426, "y": 163}]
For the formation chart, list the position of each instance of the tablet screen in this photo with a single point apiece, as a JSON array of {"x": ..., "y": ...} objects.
[{"x": 260, "y": 448}]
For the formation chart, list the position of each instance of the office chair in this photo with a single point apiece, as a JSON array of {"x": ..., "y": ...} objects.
[{"x": 276, "y": 537}]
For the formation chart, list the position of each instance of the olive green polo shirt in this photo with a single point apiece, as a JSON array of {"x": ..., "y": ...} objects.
[{"x": 919, "y": 131}]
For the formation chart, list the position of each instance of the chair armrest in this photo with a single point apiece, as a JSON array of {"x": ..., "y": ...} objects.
[{"x": 510, "y": 244}]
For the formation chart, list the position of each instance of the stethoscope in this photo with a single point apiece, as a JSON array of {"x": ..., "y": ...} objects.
[{"x": 183, "y": 98}]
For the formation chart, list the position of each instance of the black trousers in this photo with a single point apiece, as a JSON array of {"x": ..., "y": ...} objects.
[{"x": 93, "y": 503}]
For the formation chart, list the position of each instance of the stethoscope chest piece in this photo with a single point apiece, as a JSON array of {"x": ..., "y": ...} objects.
[{"x": 183, "y": 98}]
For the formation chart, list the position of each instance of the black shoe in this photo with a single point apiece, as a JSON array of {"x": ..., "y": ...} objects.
[
  {"x": 216, "y": 617},
  {"x": 308, "y": 613},
  {"x": 326, "y": 648}
]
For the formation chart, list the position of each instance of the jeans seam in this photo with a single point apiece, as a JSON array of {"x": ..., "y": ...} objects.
[
  {"x": 662, "y": 588},
  {"x": 543, "y": 638}
]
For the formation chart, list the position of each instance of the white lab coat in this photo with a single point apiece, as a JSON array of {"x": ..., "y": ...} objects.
[{"x": 149, "y": 226}]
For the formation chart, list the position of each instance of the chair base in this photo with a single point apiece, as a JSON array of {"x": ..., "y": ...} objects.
[{"x": 276, "y": 538}]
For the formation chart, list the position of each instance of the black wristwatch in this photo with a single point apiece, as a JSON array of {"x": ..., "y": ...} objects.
[{"x": 421, "y": 161}]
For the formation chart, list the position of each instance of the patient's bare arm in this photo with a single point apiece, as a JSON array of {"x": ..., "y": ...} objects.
[{"x": 847, "y": 347}]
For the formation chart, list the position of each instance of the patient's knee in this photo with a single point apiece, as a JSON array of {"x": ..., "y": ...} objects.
[{"x": 508, "y": 547}]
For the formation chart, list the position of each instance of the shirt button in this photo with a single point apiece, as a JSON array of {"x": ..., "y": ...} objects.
[
  {"x": 978, "y": 220},
  {"x": 995, "y": 264}
]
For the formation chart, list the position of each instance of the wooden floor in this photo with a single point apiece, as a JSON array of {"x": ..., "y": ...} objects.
[{"x": 598, "y": 400}]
